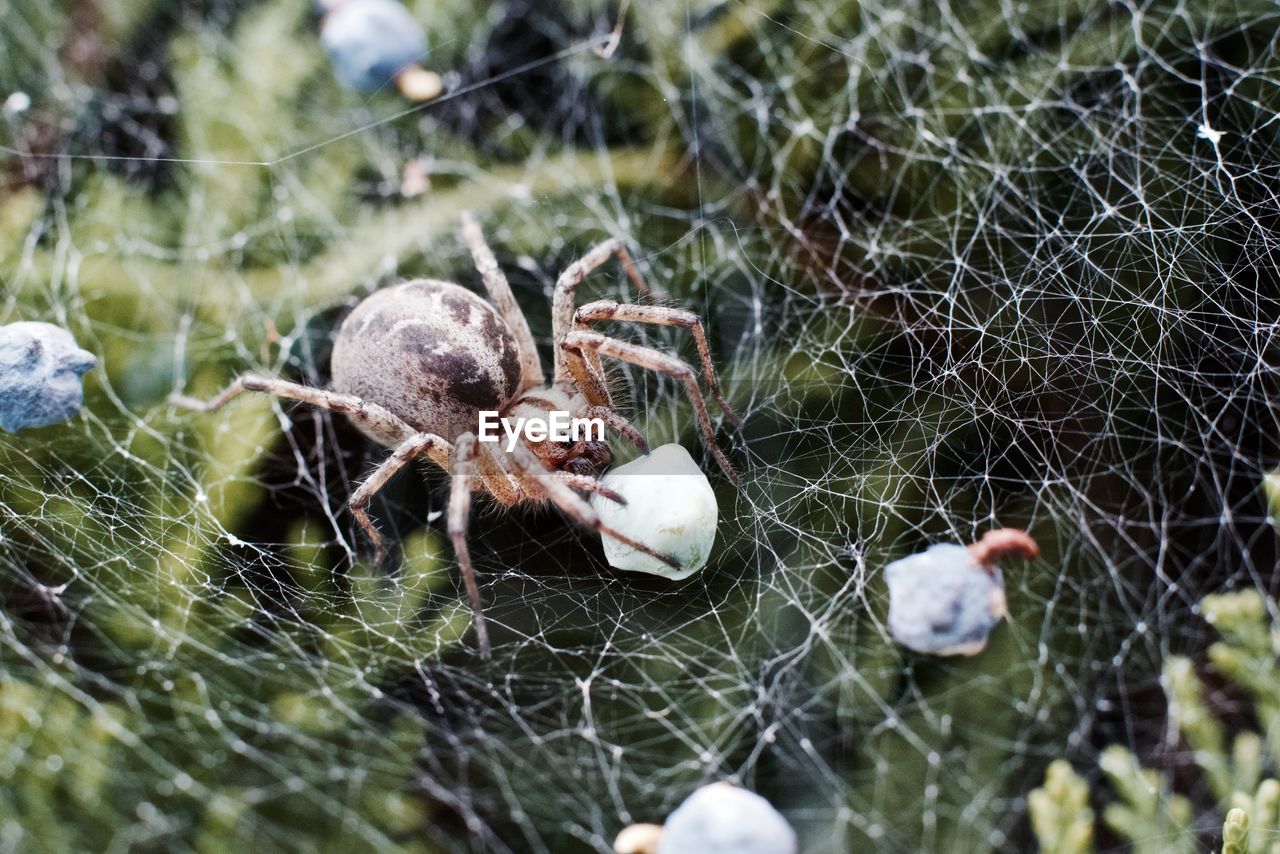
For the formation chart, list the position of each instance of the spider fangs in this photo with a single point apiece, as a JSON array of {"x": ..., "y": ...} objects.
[{"x": 415, "y": 364}]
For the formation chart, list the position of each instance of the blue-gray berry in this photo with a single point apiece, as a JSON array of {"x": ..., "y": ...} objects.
[
  {"x": 371, "y": 42},
  {"x": 724, "y": 819},
  {"x": 40, "y": 372},
  {"x": 943, "y": 602}
]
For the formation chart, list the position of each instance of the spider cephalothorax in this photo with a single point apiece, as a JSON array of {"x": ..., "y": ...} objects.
[{"x": 416, "y": 364}]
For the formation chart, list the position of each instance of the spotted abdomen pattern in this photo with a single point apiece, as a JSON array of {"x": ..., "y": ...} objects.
[{"x": 431, "y": 352}]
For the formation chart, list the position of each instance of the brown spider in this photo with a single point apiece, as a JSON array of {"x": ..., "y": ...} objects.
[{"x": 415, "y": 364}]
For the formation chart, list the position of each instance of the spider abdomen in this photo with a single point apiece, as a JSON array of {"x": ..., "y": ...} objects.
[{"x": 431, "y": 352}]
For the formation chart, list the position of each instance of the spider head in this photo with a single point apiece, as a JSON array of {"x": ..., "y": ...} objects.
[
  {"x": 585, "y": 452},
  {"x": 586, "y": 457},
  {"x": 592, "y": 458}
]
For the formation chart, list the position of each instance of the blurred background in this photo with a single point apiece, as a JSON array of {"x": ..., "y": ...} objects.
[{"x": 964, "y": 265}]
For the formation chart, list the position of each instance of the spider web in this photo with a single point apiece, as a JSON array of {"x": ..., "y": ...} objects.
[{"x": 964, "y": 265}]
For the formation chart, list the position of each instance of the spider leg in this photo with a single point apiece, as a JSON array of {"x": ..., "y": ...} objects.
[
  {"x": 563, "y": 301},
  {"x": 379, "y": 420},
  {"x": 622, "y": 425},
  {"x": 605, "y": 414},
  {"x": 423, "y": 444},
  {"x": 587, "y": 483},
  {"x": 588, "y": 374},
  {"x": 594, "y": 312},
  {"x": 464, "y": 473},
  {"x": 504, "y": 484},
  {"x": 496, "y": 477},
  {"x": 573, "y": 505},
  {"x": 650, "y": 359},
  {"x": 495, "y": 282}
]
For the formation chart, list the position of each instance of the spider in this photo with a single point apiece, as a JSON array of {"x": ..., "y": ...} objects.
[{"x": 415, "y": 363}]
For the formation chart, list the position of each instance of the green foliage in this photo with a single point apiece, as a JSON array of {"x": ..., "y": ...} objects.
[
  {"x": 1147, "y": 812},
  {"x": 1151, "y": 817},
  {"x": 1060, "y": 813},
  {"x": 174, "y": 686},
  {"x": 1235, "y": 832},
  {"x": 75, "y": 766},
  {"x": 203, "y": 737},
  {"x": 948, "y": 254}
]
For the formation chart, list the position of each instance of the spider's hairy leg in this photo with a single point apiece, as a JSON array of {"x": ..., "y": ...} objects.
[
  {"x": 555, "y": 489},
  {"x": 588, "y": 374},
  {"x": 434, "y": 447},
  {"x": 586, "y": 483},
  {"x": 661, "y": 315},
  {"x": 499, "y": 289},
  {"x": 496, "y": 477},
  {"x": 622, "y": 425},
  {"x": 380, "y": 420},
  {"x": 562, "y": 302},
  {"x": 464, "y": 473},
  {"x": 605, "y": 414},
  {"x": 653, "y": 360}
]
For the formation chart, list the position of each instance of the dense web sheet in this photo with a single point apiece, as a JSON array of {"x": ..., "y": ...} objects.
[{"x": 964, "y": 265}]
